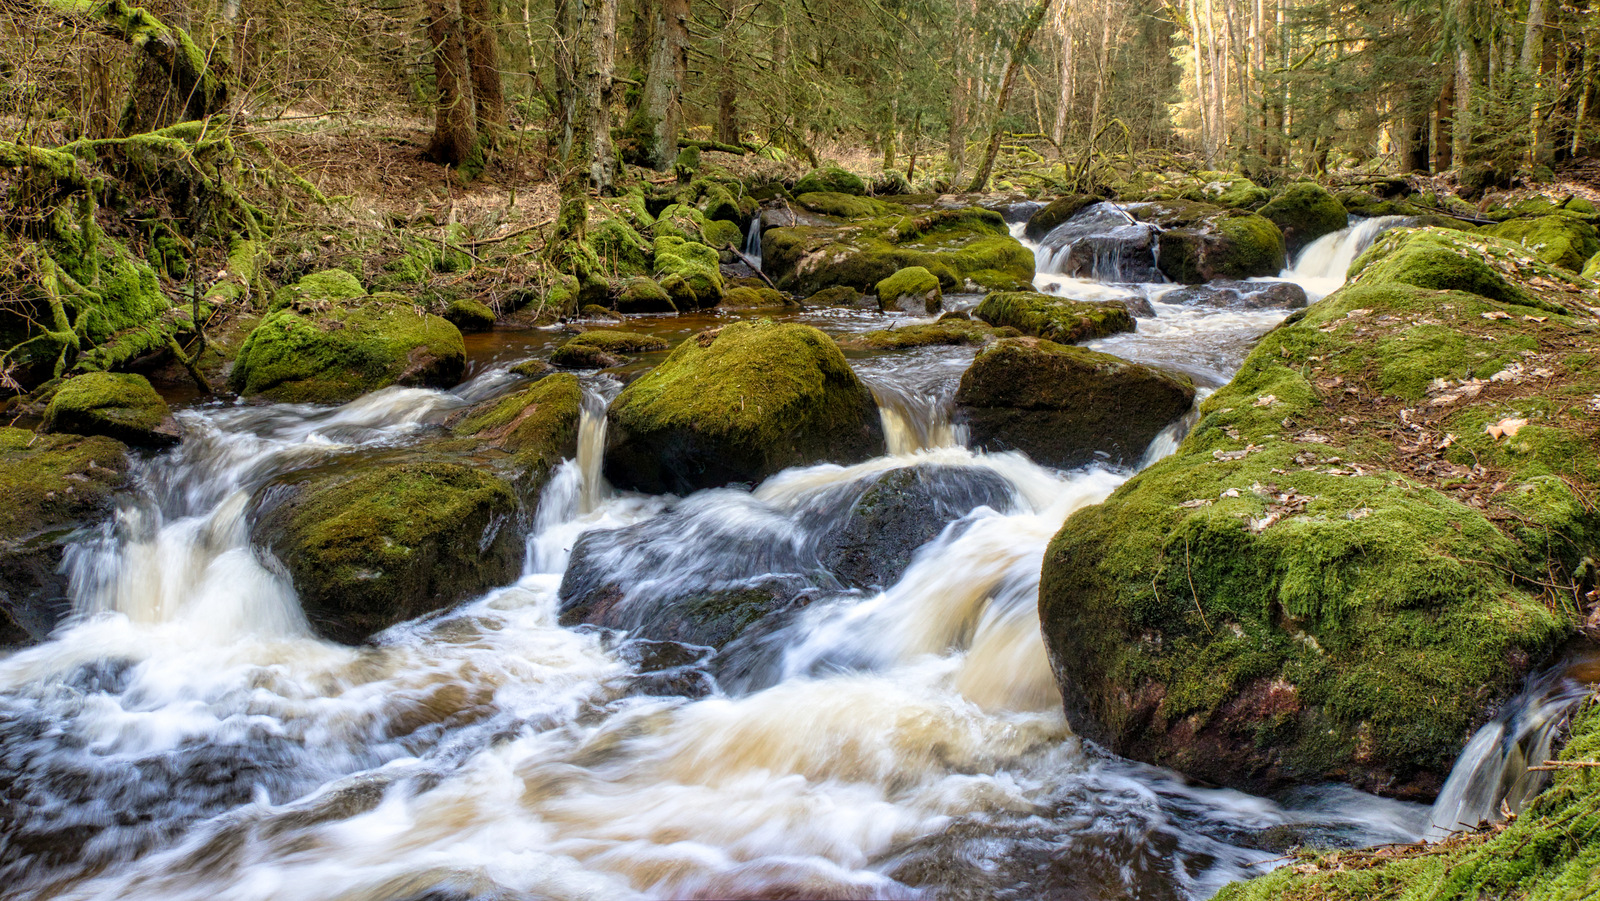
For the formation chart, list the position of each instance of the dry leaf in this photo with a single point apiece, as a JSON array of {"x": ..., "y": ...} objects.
[
  {"x": 1535, "y": 318},
  {"x": 1506, "y": 428},
  {"x": 1199, "y": 502},
  {"x": 1496, "y": 314},
  {"x": 1266, "y": 400}
]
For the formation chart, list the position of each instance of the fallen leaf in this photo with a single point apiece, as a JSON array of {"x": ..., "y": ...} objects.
[
  {"x": 1506, "y": 428},
  {"x": 1535, "y": 318},
  {"x": 1266, "y": 400},
  {"x": 1496, "y": 314},
  {"x": 1198, "y": 502}
]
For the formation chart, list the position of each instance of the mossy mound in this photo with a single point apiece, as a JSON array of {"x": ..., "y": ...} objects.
[
  {"x": 837, "y": 296},
  {"x": 912, "y": 290},
  {"x": 1054, "y": 318},
  {"x": 736, "y": 405},
  {"x": 1340, "y": 571},
  {"x": 536, "y": 427},
  {"x": 619, "y": 248},
  {"x": 118, "y": 405},
  {"x": 1305, "y": 212},
  {"x": 1054, "y": 213},
  {"x": 1564, "y": 241},
  {"x": 749, "y": 298},
  {"x": 1227, "y": 189},
  {"x": 1591, "y": 269},
  {"x": 595, "y": 311},
  {"x": 689, "y": 273},
  {"x": 388, "y": 542},
  {"x": 643, "y": 295},
  {"x": 1550, "y": 852},
  {"x": 331, "y": 351},
  {"x": 847, "y": 206},
  {"x": 1067, "y": 406},
  {"x": 1444, "y": 260},
  {"x": 950, "y": 332},
  {"x": 1221, "y": 246},
  {"x": 584, "y": 356},
  {"x": 957, "y": 246},
  {"x": 50, "y": 485},
  {"x": 324, "y": 287},
  {"x": 681, "y": 221},
  {"x": 615, "y": 341},
  {"x": 831, "y": 179},
  {"x": 469, "y": 315}
]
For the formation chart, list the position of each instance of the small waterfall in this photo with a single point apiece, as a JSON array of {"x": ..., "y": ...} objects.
[
  {"x": 1103, "y": 242},
  {"x": 1322, "y": 266},
  {"x": 1492, "y": 774},
  {"x": 752, "y": 241},
  {"x": 914, "y": 421},
  {"x": 1166, "y": 442},
  {"x": 591, "y": 449}
]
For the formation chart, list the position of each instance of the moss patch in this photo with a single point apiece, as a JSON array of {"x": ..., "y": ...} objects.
[
  {"x": 830, "y": 179},
  {"x": 689, "y": 273},
  {"x": 118, "y": 405},
  {"x": 1053, "y": 318},
  {"x": 913, "y": 289},
  {"x": 1305, "y": 212},
  {"x": 1564, "y": 241}
]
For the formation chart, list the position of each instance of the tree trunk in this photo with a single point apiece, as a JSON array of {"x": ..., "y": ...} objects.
[
  {"x": 727, "y": 76},
  {"x": 1068, "y": 83},
  {"x": 663, "y": 85},
  {"x": 594, "y": 80},
  {"x": 1444, "y": 126},
  {"x": 980, "y": 181},
  {"x": 455, "y": 127},
  {"x": 483, "y": 55},
  {"x": 1461, "y": 124}
]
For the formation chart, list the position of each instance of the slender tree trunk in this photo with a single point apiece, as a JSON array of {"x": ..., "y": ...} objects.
[
  {"x": 1461, "y": 125},
  {"x": 961, "y": 96},
  {"x": 455, "y": 129},
  {"x": 483, "y": 56},
  {"x": 1068, "y": 80},
  {"x": 1444, "y": 126},
  {"x": 663, "y": 86},
  {"x": 980, "y": 181},
  {"x": 727, "y": 76},
  {"x": 596, "y": 80}
]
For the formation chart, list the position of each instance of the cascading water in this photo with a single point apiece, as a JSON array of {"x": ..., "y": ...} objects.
[
  {"x": 1104, "y": 243},
  {"x": 752, "y": 242},
  {"x": 1322, "y": 265},
  {"x": 915, "y": 421}
]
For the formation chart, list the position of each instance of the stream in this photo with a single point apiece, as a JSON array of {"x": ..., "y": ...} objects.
[{"x": 184, "y": 736}]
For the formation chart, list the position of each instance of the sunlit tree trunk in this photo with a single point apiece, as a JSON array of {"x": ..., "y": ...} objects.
[{"x": 980, "y": 181}]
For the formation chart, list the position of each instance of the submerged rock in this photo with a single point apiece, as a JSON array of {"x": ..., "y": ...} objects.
[
  {"x": 1238, "y": 295},
  {"x": 388, "y": 542},
  {"x": 1303, "y": 593},
  {"x": 1054, "y": 318},
  {"x": 115, "y": 404},
  {"x": 321, "y": 346},
  {"x": 911, "y": 290},
  {"x": 1305, "y": 212},
  {"x": 50, "y": 486},
  {"x": 737, "y": 404},
  {"x": 1067, "y": 406}
]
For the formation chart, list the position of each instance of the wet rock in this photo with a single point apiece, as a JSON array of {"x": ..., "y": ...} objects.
[
  {"x": 911, "y": 290},
  {"x": 595, "y": 311},
  {"x": 1056, "y": 212},
  {"x": 50, "y": 486},
  {"x": 944, "y": 332},
  {"x": 837, "y": 296},
  {"x": 1299, "y": 595},
  {"x": 1229, "y": 245},
  {"x": 1305, "y": 212},
  {"x": 1054, "y": 318},
  {"x": 1560, "y": 240},
  {"x": 738, "y": 404},
  {"x": 753, "y": 298},
  {"x": 319, "y": 346},
  {"x": 1103, "y": 242},
  {"x": 603, "y": 348},
  {"x": 525, "y": 434},
  {"x": 643, "y": 295},
  {"x": 901, "y": 511},
  {"x": 689, "y": 273},
  {"x": 1067, "y": 406},
  {"x": 388, "y": 542},
  {"x": 1238, "y": 295},
  {"x": 584, "y": 356},
  {"x": 114, "y": 404}
]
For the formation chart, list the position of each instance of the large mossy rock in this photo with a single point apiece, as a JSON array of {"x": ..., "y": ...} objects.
[
  {"x": 1054, "y": 213},
  {"x": 738, "y": 404},
  {"x": 831, "y": 179},
  {"x": 1055, "y": 318},
  {"x": 1338, "y": 574},
  {"x": 334, "y": 347},
  {"x": 1221, "y": 244},
  {"x": 1305, "y": 212},
  {"x": 689, "y": 273},
  {"x": 911, "y": 290},
  {"x": 643, "y": 295},
  {"x": 50, "y": 486},
  {"x": 118, "y": 405},
  {"x": 525, "y": 434},
  {"x": 1559, "y": 240},
  {"x": 379, "y": 544},
  {"x": 1067, "y": 406},
  {"x": 957, "y": 246},
  {"x": 603, "y": 348}
]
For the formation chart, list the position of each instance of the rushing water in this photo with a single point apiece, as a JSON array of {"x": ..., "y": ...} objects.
[{"x": 185, "y": 735}]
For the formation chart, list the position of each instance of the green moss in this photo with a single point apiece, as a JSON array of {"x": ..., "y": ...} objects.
[
  {"x": 1054, "y": 213},
  {"x": 1305, "y": 212},
  {"x": 747, "y": 298},
  {"x": 119, "y": 405},
  {"x": 681, "y": 221},
  {"x": 1432, "y": 258},
  {"x": 1044, "y": 316},
  {"x": 945, "y": 332},
  {"x": 837, "y": 296},
  {"x": 51, "y": 481},
  {"x": 619, "y": 249},
  {"x": 644, "y": 295},
  {"x": 1228, "y": 189},
  {"x": 689, "y": 273},
  {"x": 1254, "y": 245},
  {"x": 831, "y": 180},
  {"x": 335, "y": 353},
  {"x": 326, "y": 286},
  {"x": 723, "y": 234},
  {"x": 538, "y": 426},
  {"x": 918, "y": 286},
  {"x": 469, "y": 315},
  {"x": 1564, "y": 241},
  {"x": 847, "y": 206},
  {"x": 620, "y": 342}
]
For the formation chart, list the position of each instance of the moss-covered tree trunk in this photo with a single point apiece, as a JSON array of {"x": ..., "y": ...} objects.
[
  {"x": 455, "y": 124},
  {"x": 663, "y": 86},
  {"x": 1018, "y": 51}
]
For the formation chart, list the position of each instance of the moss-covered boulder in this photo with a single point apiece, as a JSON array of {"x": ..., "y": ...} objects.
[
  {"x": 847, "y": 206},
  {"x": 837, "y": 296},
  {"x": 1559, "y": 240},
  {"x": 1227, "y": 189},
  {"x": 1222, "y": 246},
  {"x": 911, "y": 290},
  {"x": 1305, "y": 212},
  {"x": 1054, "y": 213},
  {"x": 949, "y": 332},
  {"x": 643, "y": 295},
  {"x": 1550, "y": 851},
  {"x": 603, "y": 348},
  {"x": 689, "y": 273},
  {"x": 379, "y": 544},
  {"x": 118, "y": 405},
  {"x": 526, "y": 434},
  {"x": 745, "y": 297},
  {"x": 619, "y": 248},
  {"x": 738, "y": 404},
  {"x": 1339, "y": 573},
  {"x": 831, "y": 179},
  {"x": 331, "y": 350},
  {"x": 50, "y": 486},
  {"x": 1591, "y": 269},
  {"x": 1055, "y": 318},
  {"x": 1239, "y": 295},
  {"x": 957, "y": 246},
  {"x": 1067, "y": 406},
  {"x": 469, "y": 315}
]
